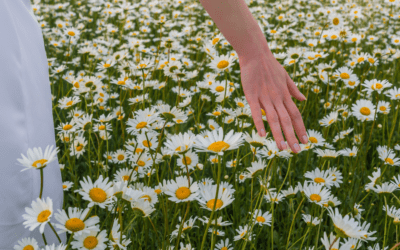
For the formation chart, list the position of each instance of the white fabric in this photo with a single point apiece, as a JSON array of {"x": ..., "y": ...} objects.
[{"x": 26, "y": 121}]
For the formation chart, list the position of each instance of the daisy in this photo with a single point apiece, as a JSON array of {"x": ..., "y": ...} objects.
[
  {"x": 388, "y": 156},
  {"x": 329, "y": 119},
  {"x": 255, "y": 168},
  {"x": 316, "y": 193},
  {"x": 67, "y": 102},
  {"x": 72, "y": 32},
  {"x": 39, "y": 214},
  {"x": 92, "y": 240},
  {"x": 393, "y": 93},
  {"x": 219, "y": 221},
  {"x": 180, "y": 143},
  {"x": 349, "y": 152},
  {"x": 53, "y": 247},
  {"x": 262, "y": 218},
  {"x": 345, "y": 226},
  {"x": 97, "y": 193},
  {"x": 125, "y": 174},
  {"x": 274, "y": 197},
  {"x": 75, "y": 221},
  {"x": 383, "y": 107},
  {"x": 213, "y": 125},
  {"x": 180, "y": 191},
  {"x": 119, "y": 156},
  {"x": 206, "y": 197},
  {"x": 374, "y": 178},
  {"x": 375, "y": 85},
  {"x": 363, "y": 110},
  {"x": 27, "y": 243},
  {"x": 109, "y": 62},
  {"x": 78, "y": 146},
  {"x": 221, "y": 63},
  {"x": 320, "y": 177},
  {"x": 36, "y": 159},
  {"x": 315, "y": 137},
  {"x": 216, "y": 142},
  {"x": 255, "y": 139},
  {"x": 190, "y": 160},
  {"x": 222, "y": 245},
  {"x": 66, "y": 185},
  {"x": 149, "y": 142},
  {"x": 242, "y": 232},
  {"x": 328, "y": 242},
  {"x": 189, "y": 224},
  {"x": 141, "y": 122},
  {"x": 385, "y": 188},
  {"x": 332, "y": 201},
  {"x": 168, "y": 113},
  {"x": 117, "y": 238},
  {"x": 143, "y": 207},
  {"x": 290, "y": 192},
  {"x": 310, "y": 220},
  {"x": 337, "y": 180}
]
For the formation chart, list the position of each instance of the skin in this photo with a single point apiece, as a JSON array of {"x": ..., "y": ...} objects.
[{"x": 265, "y": 82}]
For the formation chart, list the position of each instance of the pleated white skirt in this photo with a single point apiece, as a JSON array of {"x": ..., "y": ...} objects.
[{"x": 26, "y": 121}]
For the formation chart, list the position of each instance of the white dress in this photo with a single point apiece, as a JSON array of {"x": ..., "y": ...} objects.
[{"x": 26, "y": 121}]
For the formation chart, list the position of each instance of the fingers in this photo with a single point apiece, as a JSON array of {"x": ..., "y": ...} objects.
[
  {"x": 297, "y": 120},
  {"x": 286, "y": 123},
  {"x": 273, "y": 122},
  {"x": 256, "y": 114},
  {"x": 293, "y": 90}
]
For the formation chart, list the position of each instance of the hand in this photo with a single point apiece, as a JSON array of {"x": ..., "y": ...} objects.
[{"x": 267, "y": 85}]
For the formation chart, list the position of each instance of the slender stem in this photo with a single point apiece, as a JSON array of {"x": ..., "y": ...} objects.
[
  {"x": 69, "y": 241},
  {"x": 44, "y": 239},
  {"x": 291, "y": 226},
  {"x": 52, "y": 228},
  {"x": 333, "y": 242},
  {"x": 41, "y": 183}
]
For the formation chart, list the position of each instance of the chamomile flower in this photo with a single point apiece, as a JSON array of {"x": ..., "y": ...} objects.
[
  {"x": 75, "y": 221},
  {"x": 262, "y": 218},
  {"x": 216, "y": 142},
  {"x": 27, "y": 243},
  {"x": 92, "y": 240},
  {"x": 206, "y": 197},
  {"x": 224, "y": 245},
  {"x": 180, "y": 143},
  {"x": 364, "y": 110},
  {"x": 97, "y": 193},
  {"x": 328, "y": 242},
  {"x": 256, "y": 167},
  {"x": 143, "y": 207},
  {"x": 243, "y": 234},
  {"x": 39, "y": 214},
  {"x": 375, "y": 85},
  {"x": 190, "y": 160},
  {"x": 317, "y": 193},
  {"x": 345, "y": 226},
  {"x": 180, "y": 191},
  {"x": 222, "y": 62},
  {"x": 66, "y": 185},
  {"x": 320, "y": 177},
  {"x": 273, "y": 197},
  {"x": 311, "y": 221},
  {"x": 36, "y": 159},
  {"x": 385, "y": 188}
]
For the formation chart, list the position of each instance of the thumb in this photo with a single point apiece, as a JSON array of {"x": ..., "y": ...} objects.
[
  {"x": 293, "y": 90},
  {"x": 256, "y": 114}
]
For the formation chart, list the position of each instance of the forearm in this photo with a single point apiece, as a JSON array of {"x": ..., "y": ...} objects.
[{"x": 235, "y": 21}]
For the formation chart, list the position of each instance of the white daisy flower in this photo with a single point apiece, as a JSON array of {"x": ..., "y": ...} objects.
[
  {"x": 262, "y": 218},
  {"x": 97, "y": 193},
  {"x": 180, "y": 191},
  {"x": 345, "y": 226},
  {"x": 216, "y": 142},
  {"x": 75, "y": 221},
  {"x": 92, "y": 240},
  {"x": 364, "y": 110},
  {"x": 320, "y": 177},
  {"x": 36, "y": 159},
  {"x": 317, "y": 193},
  {"x": 27, "y": 243},
  {"x": 206, "y": 197},
  {"x": 39, "y": 214}
]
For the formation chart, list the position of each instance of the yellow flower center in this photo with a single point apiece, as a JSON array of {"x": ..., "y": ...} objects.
[
  {"x": 365, "y": 111},
  {"x": 67, "y": 127},
  {"x": 218, "y": 146},
  {"x": 125, "y": 177},
  {"x": 41, "y": 161},
  {"x": 377, "y": 86},
  {"x": 146, "y": 198},
  {"x": 186, "y": 160},
  {"x": 74, "y": 224},
  {"x": 28, "y": 247},
  {"x": 315, "y": 197},
  {"x": 382, "y": 108},
  {"x": 69, "y": 103},
  {"x": 390, "y": 161},
  {"x": 90, "y": 242},
  {"x": 79, "y": 148},
  {"x": 97, "y": 195},
  {"x": 182, "y": 193},
  {"x": 361, "y": 59},
  {"x": 335, "y": 21},
  {"x": 71, "y": 33},
  {"x": 121, "y": 83},
  {"x": 219, "y": 89},
  {"x": 222, "y": 64},
  {"x": 141, "y": 125},
  {"x": 344, "y": 75},
  {"x": 106, "y": 65},
  {"x": 260, "y": 219},
  {"x": 210, "y": 204},
  {"x": 313, "y": 139},
  {"x": 121, "y": 157},
  {"x": 64, "y": 186},
  {"x": 146, "y": 143},
  {"x": 319, "y": 180},
  {"x": 43, "y": 216},
  {"x": 102, "y": 127},
  {"x": 141, "y": 163}
]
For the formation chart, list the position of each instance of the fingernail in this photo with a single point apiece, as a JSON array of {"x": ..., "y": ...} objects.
[
  {"x": 262, "y": 132},
  {"x": 304, "y": 96},
  {"x": 283, "y": 144},
  {"x": 296, "y": 147},
  {"x": 305, "y": 140}
]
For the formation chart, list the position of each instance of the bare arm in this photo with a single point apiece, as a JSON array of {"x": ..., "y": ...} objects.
[{"x": 235, "y": 21}]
